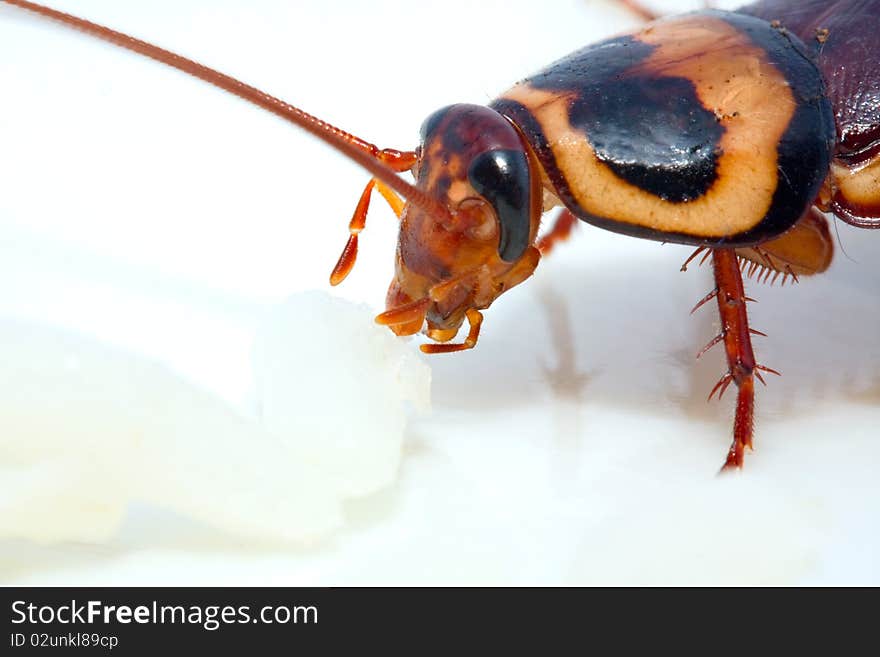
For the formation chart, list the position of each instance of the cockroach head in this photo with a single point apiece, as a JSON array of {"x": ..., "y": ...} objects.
[
  {"x": 476, "y": 163},
  {"x": 469, "y": 223}
]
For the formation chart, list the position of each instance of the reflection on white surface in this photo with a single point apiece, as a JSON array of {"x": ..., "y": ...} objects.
[{"x": 573, "y": 445}]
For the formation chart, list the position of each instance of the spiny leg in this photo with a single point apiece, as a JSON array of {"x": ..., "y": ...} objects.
[
  {"x": 560, "y": 231},
  {"x": 397, "y": 160},
  {"x": 805, "y": 249},
  {"x": 736, "y": 335}
]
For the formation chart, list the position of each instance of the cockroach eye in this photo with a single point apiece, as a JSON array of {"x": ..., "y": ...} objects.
[{"x": 502, "y": 178}]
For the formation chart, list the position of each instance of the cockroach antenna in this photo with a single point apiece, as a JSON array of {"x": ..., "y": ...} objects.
[{"x": 362, "y": 152}]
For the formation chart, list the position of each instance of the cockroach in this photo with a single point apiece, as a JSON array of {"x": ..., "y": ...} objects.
[{"x": 729, "y": 131}]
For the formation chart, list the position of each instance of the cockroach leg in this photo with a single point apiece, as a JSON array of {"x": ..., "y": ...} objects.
[
  {"x": 767, "y": 369},
  {"x": 697, "y": 251},
  {"x": 743, "y": 425},
  {"x": 358, "y": 220},
  {"x": 805, "y": 249},
  {"x": 559, "y": 232},
  {"x": 475, "y": 319},
  {"x": 736, "y": 334},
  {"x": 704, "y": 300},
  {"x": 397, "y": 160},
  {"x": 718, "y": 338},
  {"x": 720, "y": 387},
  {"x": 394, "y": 201}
]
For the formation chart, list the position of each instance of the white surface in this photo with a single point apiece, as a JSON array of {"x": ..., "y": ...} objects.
[
  {"x": 89, "y": 431},
  {"x": 573, "y": 445}
]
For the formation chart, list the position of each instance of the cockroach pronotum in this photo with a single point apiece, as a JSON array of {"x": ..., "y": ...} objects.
[{"x": 729, "y": 131}]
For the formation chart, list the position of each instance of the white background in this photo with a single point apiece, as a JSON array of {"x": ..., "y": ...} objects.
[{"x": 574, "y": 445}]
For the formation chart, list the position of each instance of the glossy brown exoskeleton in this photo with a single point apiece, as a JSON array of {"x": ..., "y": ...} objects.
[
  {"x": 729, "y": 131},
  {"x": 841, "y": 38}
]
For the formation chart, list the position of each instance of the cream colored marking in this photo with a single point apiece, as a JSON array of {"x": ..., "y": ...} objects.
[
  {"x": 732, "y": 79},
  {"x": 860, "y": 185},
  {"x": 549, "y": 200}
]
